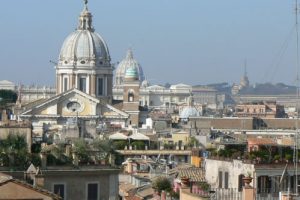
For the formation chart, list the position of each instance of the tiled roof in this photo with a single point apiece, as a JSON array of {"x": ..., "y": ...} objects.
[
  {"x": 261, "y": 141},
  {"x": 195, "y": 174},
  {"x": 145, "y": 191},
  {"x": 126, "y": 187},
  {"x": 37, "y": 189},
  {"x": 4, "y": 177}
]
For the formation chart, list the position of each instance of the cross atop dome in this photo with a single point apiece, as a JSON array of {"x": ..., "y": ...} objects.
[
  {"x": 85, "y": 4},
  {"x": 129, "y": 54}
]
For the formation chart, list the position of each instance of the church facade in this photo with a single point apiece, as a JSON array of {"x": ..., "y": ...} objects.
[{"x": 83, "y": 97}]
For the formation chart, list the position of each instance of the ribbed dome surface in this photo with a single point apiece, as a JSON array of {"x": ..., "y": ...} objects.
[
  {"x": 84, "y": 47},
  {"x": 131, "y": 73}
]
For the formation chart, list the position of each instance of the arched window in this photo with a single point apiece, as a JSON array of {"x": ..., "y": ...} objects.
[{"x": 130, "y": 96}]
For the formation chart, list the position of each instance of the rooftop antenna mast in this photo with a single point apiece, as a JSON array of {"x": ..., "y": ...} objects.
[{"x": 297, "y": 100}]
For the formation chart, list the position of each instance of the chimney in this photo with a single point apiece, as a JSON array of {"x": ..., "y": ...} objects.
[
  {"x": 43, "y": 160},
  {"x": 163, "y": 195},
  {"x": 4, "y": 116},
  {"x": 39, "y": 180}
]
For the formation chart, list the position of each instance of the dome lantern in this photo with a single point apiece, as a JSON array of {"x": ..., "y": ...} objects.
[{"x": 85, "y": 19}]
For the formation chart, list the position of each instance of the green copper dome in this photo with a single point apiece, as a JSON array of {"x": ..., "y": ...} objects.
[{"x": 131, "y": 73}]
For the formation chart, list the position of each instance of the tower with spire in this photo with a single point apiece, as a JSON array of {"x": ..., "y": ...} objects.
[{"x": 244, "y": 80}]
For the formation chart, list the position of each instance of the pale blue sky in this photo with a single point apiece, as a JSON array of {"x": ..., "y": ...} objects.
[{"x": 189, "y": 41}]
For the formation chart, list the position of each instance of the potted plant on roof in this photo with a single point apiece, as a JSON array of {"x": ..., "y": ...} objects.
[{"x": 247, "y": 179}]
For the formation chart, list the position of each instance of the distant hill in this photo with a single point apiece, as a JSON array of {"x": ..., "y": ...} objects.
[
  {"x": 269, "y": 89},
  {"x": 257, "y": 89},
  {"x": 220, "y": 87}
]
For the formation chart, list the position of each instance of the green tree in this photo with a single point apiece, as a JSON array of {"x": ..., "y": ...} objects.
[
  {"x": 193, "y": 142},
  {"x": 162, "y": 183},
  {"x": 81, "y": 149},
  {"x": 140, "y": 145},
  {"x": 103, "y": 148},
  {"x": 7, "y": 96},
  {"x": 120, "y": 145},
  {"x": 14, "y": 147}
]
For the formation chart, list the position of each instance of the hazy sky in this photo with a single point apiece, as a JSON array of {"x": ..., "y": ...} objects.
[{"x": 188, "y": 41}]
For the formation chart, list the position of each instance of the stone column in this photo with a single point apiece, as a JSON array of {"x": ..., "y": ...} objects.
[
  {"x": 61, "y": 83},
  {"x": 248, "y": 190},
  {"x": 57, "y": 84},
  {"x": 73, "y": 85},
  {"x": 70, "y": 81},
  {"x": 88, "y": 78},
  {"x": 76, "y": 81},
  {"x": 93, "y": 84},
  {"x": 248, "y": 193},
  {"x": 163, "y": 195}
]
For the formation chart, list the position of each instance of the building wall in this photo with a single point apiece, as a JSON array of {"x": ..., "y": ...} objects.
[
  {"x": 234, "y": 169},
  {"x": 184, "y": 137},
  {"x": 196, "y": 161},
  {"x": 221, "y": 123},
  {"x": 153, "y": 97},
  {"x": 186, "y": 195},
  {"x": 203, "y": 123},
  {"x": 76, "y": 182}
]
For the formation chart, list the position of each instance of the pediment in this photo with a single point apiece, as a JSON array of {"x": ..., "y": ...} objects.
[
  {"x": 72, "y": 102},
  {"x": 109, "y": 111}
]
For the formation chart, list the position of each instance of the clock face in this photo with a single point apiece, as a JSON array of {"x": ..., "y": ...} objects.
[{"x": 73, "y": 106}]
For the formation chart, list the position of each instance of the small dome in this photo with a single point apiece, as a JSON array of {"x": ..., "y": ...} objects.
[
  {"x": 84, "y": 47},
  {"x": 131, "y": 73},
  {"x": 126, "y": 63}
]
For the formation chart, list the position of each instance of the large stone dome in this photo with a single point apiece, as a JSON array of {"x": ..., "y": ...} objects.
[
  {"x": 124, "y": 65},
  {"x": 84, "y": 47},
  {"x": 84, "y": 61}
]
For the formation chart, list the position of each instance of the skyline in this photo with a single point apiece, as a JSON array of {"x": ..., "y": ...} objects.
[{"x": 191, "y": 41}]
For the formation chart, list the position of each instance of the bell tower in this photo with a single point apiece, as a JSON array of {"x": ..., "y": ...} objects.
[{"x": 131, "y": 96}]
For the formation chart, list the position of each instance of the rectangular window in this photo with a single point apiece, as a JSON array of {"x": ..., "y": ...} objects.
[
  {"x": 220, "y": 179},
  {"x": 100, "y": 86},
  {"x": 92, "y": 191},
  {"x": 82, "y": 84},
  {"x": 65, "y": 84},
  {"x": 59, "y": 189},
  {"x": 226, "y": 180}
]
